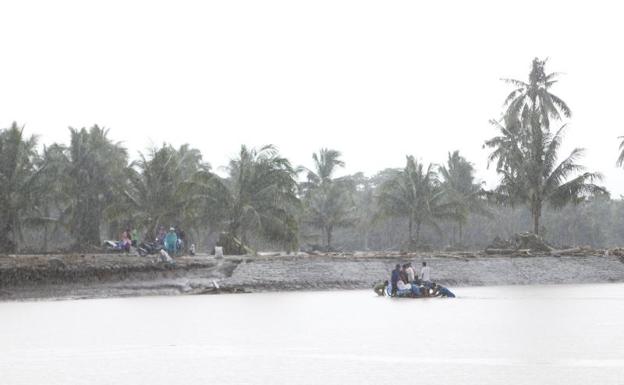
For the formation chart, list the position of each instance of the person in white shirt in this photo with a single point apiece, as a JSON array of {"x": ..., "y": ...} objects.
[
  {"x": 425, "y": 274},
  {"x": 411, "y": 274},
  {"x": 407, "y": 288}
]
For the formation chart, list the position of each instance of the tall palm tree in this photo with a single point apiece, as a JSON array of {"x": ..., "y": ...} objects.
[
  {"x": 620, "y": 160},
  {"x": 262, "y": 197},
  {"x": 460, "y": 189},
  {"x": 533, "y": 176},
  {"x": 415, "y": 193},
  {"x": 19, "y": 171},
  {"x": 92, "y": 173},
  {"x": 532, "y": 102},
  {"x": 328, "y": 200}
]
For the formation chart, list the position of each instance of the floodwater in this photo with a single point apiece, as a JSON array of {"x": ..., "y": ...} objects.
[{"x": 567, "y": 334}]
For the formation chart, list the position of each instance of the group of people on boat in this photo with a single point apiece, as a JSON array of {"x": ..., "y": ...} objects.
[{"x": 404, "y": 282}]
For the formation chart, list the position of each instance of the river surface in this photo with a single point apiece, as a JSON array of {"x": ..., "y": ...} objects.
[{"x": 565, "y": 334}]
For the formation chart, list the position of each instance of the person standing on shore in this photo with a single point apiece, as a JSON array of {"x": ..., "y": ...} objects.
[
  {"x": 135, "y": 237},
  {"x": 171, "y": 242}
]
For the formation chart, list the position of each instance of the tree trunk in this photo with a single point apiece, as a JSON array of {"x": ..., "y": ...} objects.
[
  {"x": 453, "y": 236},
  {"x": 461, "y": 234},
  {"x": 328, "y": 232},
  {"x": 45, "y": 237},
  {"x": 537, "y": 212},
  {"x": 411, "y": 224},
  {"x": 418, "y": 233}
]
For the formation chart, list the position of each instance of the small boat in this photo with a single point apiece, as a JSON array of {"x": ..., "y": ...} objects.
[{"x": 435, "y": 291}]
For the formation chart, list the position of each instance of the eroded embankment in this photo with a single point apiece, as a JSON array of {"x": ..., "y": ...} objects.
[{"x": 32, "y": 277}]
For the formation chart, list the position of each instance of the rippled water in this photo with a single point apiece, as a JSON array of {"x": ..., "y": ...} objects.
[{"x": 488, "y": 335}]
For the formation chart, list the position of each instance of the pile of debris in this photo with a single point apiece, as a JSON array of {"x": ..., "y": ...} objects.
[{"x": 521, "y": 244}]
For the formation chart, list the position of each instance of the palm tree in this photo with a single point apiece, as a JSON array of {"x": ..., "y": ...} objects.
[
  {"x": 169, "y": 186},
  {"x": 19, "y": 171},
  {"x": 366, "y": 209},
  {"x": 92, "y": 173},
  {"x": 262, "y": 197},
  {"x": 328, "y": 200},
  {"x": 53, "y": 199},
  {"x": 414, "y": 192},
  {"x": 532, "y": 102},
  {"x": 460, "y": 189},
  {"x": 533, "y": 177},
  {"x": 620, "y": 160}
]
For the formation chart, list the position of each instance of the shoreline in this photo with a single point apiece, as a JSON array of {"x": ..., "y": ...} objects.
[{"x": 39, "y": 277}]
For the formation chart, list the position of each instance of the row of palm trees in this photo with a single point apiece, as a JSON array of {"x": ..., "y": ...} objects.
[{"x": 90, "y": 185}]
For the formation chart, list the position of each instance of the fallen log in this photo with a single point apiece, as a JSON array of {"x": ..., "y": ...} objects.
[{"x": 500, "y": 251}]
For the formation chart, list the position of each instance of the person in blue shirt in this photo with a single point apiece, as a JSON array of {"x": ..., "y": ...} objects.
[
  {"x": 441, "y": 291},
  {"x": 171, "y": 241}
]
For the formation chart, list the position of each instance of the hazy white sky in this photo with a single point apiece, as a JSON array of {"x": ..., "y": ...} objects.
[{"x": 374, "y": 79}]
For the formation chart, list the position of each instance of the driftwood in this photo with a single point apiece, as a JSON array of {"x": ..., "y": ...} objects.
[{"x": 499, "y": 251}]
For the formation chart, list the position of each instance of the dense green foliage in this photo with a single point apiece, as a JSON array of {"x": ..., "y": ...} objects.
[{"x": 18, "y": 172}]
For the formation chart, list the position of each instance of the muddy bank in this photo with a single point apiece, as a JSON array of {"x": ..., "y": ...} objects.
[{"x": 77, "y": 276}]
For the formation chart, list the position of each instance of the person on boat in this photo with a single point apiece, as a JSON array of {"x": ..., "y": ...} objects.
[
  {"x": 394, "y": 278},
  {"x": 425, "y": 275},
  {"x": 407, "y": 289},
  {"x": 380, "y": 288},
  {"x": 441, "y": 291},
  {"x": 171, "y": 242},
  {"x": 411, "y": 274},
  {"x": 403, "y": 273}
]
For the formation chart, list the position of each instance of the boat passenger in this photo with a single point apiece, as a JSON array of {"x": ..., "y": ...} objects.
[
  {"x": 441, "y": 291},
  {"x": 411, "y": 274},
  {"x": 380, "y": 288},
  {"x": 407, "y": 289},
  {"x": 425, "y": 275},
  {"x": 403, "y": 273},
  {"x": 394, "y": 278}
]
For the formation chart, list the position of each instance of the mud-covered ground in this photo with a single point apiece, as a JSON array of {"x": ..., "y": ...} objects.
[{"x": 87, "y": 276}]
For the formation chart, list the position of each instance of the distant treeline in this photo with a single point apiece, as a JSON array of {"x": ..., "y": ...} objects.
[{"x": 71, "y": 196}]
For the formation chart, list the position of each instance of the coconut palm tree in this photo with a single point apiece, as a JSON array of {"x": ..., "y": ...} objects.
[
  {"x": 169, "y": 186},
  {"x": 415, "y": 193},
  {"x": 460, "y": 189},
  {"x": 620, "y": 160},
  {"x": 262, "y": 197},
  {"x": 533, "y": 176},
  {"x": 19, "y": 170},
  {"x": 328, "y": 200},
  {"x": 532, "y": 102},
  {"x": 92, "y": 173}
]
